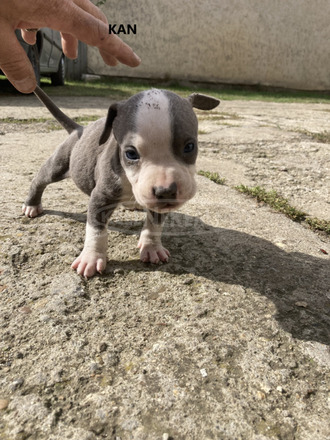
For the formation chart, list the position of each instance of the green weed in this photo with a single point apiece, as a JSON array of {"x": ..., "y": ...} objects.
[
  {"x": 274, "y": 200},
  {"x": 322, "y": 137},
  {"x": 280, "y": 204},
  {"x": 214, "y": 177}
]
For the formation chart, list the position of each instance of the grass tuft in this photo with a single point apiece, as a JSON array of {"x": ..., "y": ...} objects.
[
  {"x": 322, "y": 137},
  {"x": 274, "y": 200},
  {"x": 318, "y": 225},
  {"x": 23, "y": 121},
  {"x": 86, "y": 118},
  {"x": 214, "y": 177},
  {"x": 280, "y": 204},
  {"x": 52, "y": 124}
]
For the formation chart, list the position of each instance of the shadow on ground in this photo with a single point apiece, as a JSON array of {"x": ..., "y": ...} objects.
[{"x": 297, "y": 283}]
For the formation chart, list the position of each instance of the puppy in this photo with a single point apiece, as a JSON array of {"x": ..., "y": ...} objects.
[{"x": 143, "y": 151}]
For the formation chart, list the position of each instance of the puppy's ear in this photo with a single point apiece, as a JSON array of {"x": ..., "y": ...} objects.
[
  {"x": 203, "y": 102},
  {"x": 112, "y": 113}
]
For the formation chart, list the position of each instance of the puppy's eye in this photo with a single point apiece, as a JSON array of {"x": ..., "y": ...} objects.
[
  {"x": 189, "y": 147},
  {"x": 132, "y": 154}
]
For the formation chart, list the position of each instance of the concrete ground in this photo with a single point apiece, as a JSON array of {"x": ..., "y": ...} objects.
[{"x": 229, "y": 340}]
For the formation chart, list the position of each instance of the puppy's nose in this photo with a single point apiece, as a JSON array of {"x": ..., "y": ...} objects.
[{"x": 168, "y": 193}]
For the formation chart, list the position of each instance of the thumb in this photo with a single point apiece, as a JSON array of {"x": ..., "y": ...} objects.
[{"x": 14, "y": 61}]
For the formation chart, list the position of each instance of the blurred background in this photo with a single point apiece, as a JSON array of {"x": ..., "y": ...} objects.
[{"x": 254, "y": 42}]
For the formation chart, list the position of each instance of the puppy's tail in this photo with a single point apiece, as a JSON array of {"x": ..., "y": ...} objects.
[{"x": 63, "y": 119}]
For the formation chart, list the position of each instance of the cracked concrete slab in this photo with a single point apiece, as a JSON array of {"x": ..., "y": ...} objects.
[{"x": 230, "y": 339}]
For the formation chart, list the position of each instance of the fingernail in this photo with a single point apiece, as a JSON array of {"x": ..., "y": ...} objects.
[
  {"x": 137, "y": 57},
  {"x": 26, "y": 85}
]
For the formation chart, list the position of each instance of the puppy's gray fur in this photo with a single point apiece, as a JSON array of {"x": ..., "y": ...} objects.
[{"x": 143, "y": 152}]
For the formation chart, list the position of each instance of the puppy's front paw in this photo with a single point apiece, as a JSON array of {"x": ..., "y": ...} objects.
[
  {"x": 153, "y": 253},
  {"x": 88, "y": 263},
  {"x": 31, "y": 211}
]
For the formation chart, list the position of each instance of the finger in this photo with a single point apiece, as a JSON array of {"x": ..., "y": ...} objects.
[
  {"x": 89, "y": 7},
  {"x": 76, "y": 21},
  {"x": 29, "y": 37},
  {"x": 93, "y": 31},
  {"x": 14, "y": 61},
  {"x": 113, "y": 46},
  {"x": 108, "y": 58},
  {"x": 69, "y": 45}
]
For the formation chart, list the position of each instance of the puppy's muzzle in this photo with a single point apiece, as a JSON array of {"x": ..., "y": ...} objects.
[
  {"x": 166, "y": 197},
  {"x": 165, "y": 194}
]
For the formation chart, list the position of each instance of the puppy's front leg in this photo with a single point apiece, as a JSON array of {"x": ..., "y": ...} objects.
[
  {"x": 93, "y": 257},
  {"x": 151, "y": 248}
]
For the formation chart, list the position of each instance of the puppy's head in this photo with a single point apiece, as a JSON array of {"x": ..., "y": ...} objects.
[{"x": 156, "y": 133}]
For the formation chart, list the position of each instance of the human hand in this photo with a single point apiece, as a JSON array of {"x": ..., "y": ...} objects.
[{"x": 75, "y": 19}]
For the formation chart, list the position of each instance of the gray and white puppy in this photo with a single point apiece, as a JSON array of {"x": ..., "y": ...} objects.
[{"x": 144, "y": 151}]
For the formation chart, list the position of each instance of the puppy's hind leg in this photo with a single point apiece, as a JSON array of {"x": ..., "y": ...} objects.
[{"x": 56, "y": 168}]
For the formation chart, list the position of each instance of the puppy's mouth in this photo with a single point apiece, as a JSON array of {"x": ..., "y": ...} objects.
[
  {"x": 158, "y": 201},
  {"x": 166, "y": 206},
  {"x": 163, "y": 205}
]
